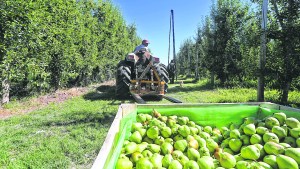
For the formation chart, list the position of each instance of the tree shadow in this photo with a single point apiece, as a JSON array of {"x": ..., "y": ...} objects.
[{"x": 204, "y": 87}]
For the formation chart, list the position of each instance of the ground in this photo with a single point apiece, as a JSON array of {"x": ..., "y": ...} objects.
[{"x": 57, "y": 97}]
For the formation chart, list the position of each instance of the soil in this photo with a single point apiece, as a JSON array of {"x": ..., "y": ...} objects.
[{"x": 57, "y": 97}]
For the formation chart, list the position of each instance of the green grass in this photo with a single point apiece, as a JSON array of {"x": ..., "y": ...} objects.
[{"x": 70, "y": 134}]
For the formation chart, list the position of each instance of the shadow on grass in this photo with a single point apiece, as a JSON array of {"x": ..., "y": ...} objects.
[{"x": 206, "y": 86}]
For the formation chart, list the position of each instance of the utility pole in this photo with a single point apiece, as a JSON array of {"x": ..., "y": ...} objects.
[
  {"x": 174, "y": 52},
  {"x": 262, "y": 58}
]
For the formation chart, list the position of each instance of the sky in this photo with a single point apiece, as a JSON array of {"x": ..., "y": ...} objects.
[{"x": 152, "y": 19}]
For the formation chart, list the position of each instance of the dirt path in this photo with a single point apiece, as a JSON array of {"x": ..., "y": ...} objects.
[{"x": 57, "y": 97}]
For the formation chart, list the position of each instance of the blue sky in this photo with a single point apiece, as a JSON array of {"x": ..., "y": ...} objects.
[{"x": 152, "y": 19}]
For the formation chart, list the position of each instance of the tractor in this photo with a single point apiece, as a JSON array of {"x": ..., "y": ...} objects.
[{"x": 140, "y": 75}]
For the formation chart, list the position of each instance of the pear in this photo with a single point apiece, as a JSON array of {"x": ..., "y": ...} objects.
[
  {"x": 142, "y": 131},
  {"x": 148, "y": 117},
  {"x": 183, "y": 160},
  {"x": 176, "y": 154},
  {"x": 135, "y": 126},
  {"x": 147, "y": 153},
  {"x": 292, "y": 122},
  {"x": 235, "y": 144},
  {"x": 280, "y": 116},
  {"x": 194, "y": 130},
  {"x": 169, "y": 140},
  {"x": 204, "y": 151},
  {"x": 211, "y": 145},
  {"x": 250, "y": 152},
  {"x": 270, "y": 137},
  {"x": 191, "y": 165},
  {"x": 264, "y": 165},
  {"x": 130, "y": 148},
  {"x": 293, "y": 153},
  {"x": 290, "y": 140},
  {"x": 279, "y": 131},
  {"x": 171, "y": 122},
  {"x": 201, "y": 141},
  {"x": 141, "y": 147},
  {"x": 242, "y": 165},
  {"x": 193, "y": 143},
  {"x": 136, "y": 156},
  {"x": 228, "y": 150},
  {"x": 235, "y": 133},
  {"x": 250, "y": 120},
  {"x": 286, "y": 162},
  {"x": 178, "y": 137},
  {"x": 154, "y": 148},
  {"x": 233, "y": 126},
  {"x": 144, "y": 163},
  {"x": 217, "y": 153},
  {"x": 271, "y": 122},
  {"x": 153, "y": 132},
  {"x": 285, "y": 145},
  {"x": 223, "y": 129},
  {"x": 245, "y": 139},
  {"x": 159, "y": 140},
  {"x": 256, "y": 139},
  {"x": 167, "y": 159},
  {"x": 166, "y": 148},
  {"x": 206, "y": 162},
  {"x": 261, "y": 150},
  {"x": 183, "y": 120},
  {"x": 208, "y": 129},
  {"x": 298, "y": 142},
  {"x": 204, "y": 135},
  {"x": 193, "y": 154},
  {"x": 136, "y": 137},
  {"x": 181, "y": 145},
  {"x": 166, "y": 132},
  {"x": 261, "y": 130},
  {"x": 226, "y": 134},
  {"x": 227, "y": 160},
  {"x": 141, "y": 118},
  {"x": 163, "y": 119},
  {"x": 273, "y": 148},
  {"x": 271, "y": 160},
  {"x": 156, "y": 160},
  {"x": 249, "y": 129},
  {"x": 124, "y": 164},
  {"x": 175, "y": 164},
  {"x": 155, "y": 113},
  {"x": 148, "y": 140},
  {"x": 184, "y": 130},
  {"x": 295, "y": 132},
  {"x": 238, "y": 157},
  {"x": 191, "y": 124}
]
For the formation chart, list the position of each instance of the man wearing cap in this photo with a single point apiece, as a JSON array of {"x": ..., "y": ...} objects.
[{"x": 143, "y": 45}]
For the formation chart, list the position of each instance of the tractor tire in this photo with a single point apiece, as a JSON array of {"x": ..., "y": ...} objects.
[
  {"x": 163, "y": 74},
  {"x": 123, "y": 78}
]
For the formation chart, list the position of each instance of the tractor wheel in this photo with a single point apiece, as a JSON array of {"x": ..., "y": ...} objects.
[
  {"x": 163, "y": 74},
  {"x": 123, "y": 80}
]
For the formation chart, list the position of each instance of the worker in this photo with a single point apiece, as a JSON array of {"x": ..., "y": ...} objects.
[
  {"x": 144, "y": 44},
  {"x": 172, "y": 70}
]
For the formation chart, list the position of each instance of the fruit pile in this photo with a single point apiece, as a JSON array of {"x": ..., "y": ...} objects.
[{"x": 176, "y": 142}]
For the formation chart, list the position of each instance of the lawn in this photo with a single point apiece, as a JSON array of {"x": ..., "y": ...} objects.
[{"x": 70, "y": 134}]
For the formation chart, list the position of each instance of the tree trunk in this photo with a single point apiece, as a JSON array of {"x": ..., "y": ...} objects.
[
  {"x": 5, "y": 91},
  {"x": 212, "y": 79},
  {"x": 285, "y": 93}
]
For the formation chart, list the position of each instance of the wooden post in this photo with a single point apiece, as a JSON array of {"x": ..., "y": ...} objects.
[{"x": 262, "y": 58}]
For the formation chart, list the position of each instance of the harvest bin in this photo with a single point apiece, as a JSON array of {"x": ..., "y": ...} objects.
[{"x": 222, "y": 114}]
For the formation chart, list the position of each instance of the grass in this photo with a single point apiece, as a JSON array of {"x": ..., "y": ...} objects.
[{"x": 70, "y": 134}]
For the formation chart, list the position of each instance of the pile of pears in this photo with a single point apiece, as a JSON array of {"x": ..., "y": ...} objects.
[{"x": 176, "y": 142}]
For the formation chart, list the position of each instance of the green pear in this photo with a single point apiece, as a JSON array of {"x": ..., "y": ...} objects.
[
  {"x": 267, "y": 137},
  {"x": 175, "y": 164},
  {"x": 184, "y": 130},
  {"x": 245, "y": 139},
  {"x": 136, "y": 156},
  {"x": 261, "y": 150},
  {"x": 295, "y": 132},
  {"x": 171, "y": 122},
  {"x": 166, "y": 132},
  {"x": 124, "y": 164},
  {"x": 159, "y": 140},
  {"x": 193, "y": 143},
  {"x": 135, "y": 126},
  {"x": 235, "y": 144},
  {"x": 166, "y": 148},
  {"x": 181, "y": 145},
  {"x": 156, "y": 160},
  {"x": 223, "y": 129},
  {"x": 183, "y": 120},
  {"x": 216, "y": 131},
  {"x": 271, "y": 160},
  {"x": 279, "y": 131},
  {"x": 235, "y": 133},
  {"x": 191, "y": 165},
  {"x": 264, "y": 165},
  {"x": 191, "y": 124},
  {"x": 285, "y": 145},
  {"x": 238, "y": 157},
  {"x": 169, "y": 140},
  {"x": 141, "y": 118},
  {"x": 204, "y": 135},
  {"x": 201, "y": 141},
  {"x": 130, "y": 148},
  {"x": 194, "y": 130},
  {"x": 154, "y": 148},
  {"x": 154, "y": 122},
  {"x": 242, "y": 165},
  {"x": 290, "y": 140},
  {"x": 147, "y": 153},
  {"x": 155, "y": 113},
  {"x": 226, "y": 134},
  {"x": 208, "y": 129},
  {"x": 286, "y": 162},
  {"x": 250, "y": 152},
  {"x": 136, "y": 137},
  {"x": 292, "y": 122},
  {"x": 271, "y": 122},
  {"x": 206, "y": 162},
  {"x": 153, "y": 132},
  {"x": 176, "y": 154},
  {"x": 293, "y": 153},
  {"x": 122, "y": 155},
  {"x": 211, "y": 145},
  {"x": 273, "y": 148},
  {"x": 261, "y": 124},
  {"x": 148, "y": 140},
  {"x": 141, "y": 147},
  {"x": 148, "y": 117},
  {"x": 228, "y": 150},
  {"x": 280, "y": 116},
  {"x": 233, "y": 126},
  {"x": 261, "y": 130},
  {"x": 144, "y": 163},
  {"x": 227, "y": 160},
  {"x": 193, "y": 154},
  {"x": 183, "y": 160},
  {"x": 204, "y": 151},
  {"x": 298, "y": 142},
  {"x": 256, "y": 139},
  {"x": 142, "y": 131},
  {"x": 250, "y": 120},
  {"x": 167, "y": 159},
  {"x": 178, "y": 137},
  {"x": 163, "y": 119},
  {"x": 200, "y": 128},
  {"x": 249, "y": 129}
]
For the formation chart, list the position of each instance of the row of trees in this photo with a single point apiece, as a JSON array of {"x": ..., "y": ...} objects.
[
  {"x": 227, "y": 45},
  {"x": 49, "y": 44}
]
